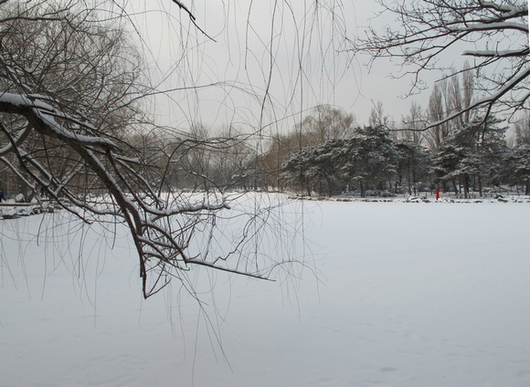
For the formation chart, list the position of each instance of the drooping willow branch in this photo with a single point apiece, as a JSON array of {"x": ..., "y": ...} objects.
[{"x": 159, "y": 243}]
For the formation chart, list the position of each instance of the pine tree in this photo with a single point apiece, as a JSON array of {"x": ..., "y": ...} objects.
[
  {"x": 519, "y": 166},
  {"x": 368, "y": 158}
]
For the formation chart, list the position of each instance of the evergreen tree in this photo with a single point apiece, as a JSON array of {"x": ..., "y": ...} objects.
[
  {"x": 368, "y": 158},
  {"x": 315, "y": 165},
  {"x": 518, "y": 163},
  {"x": 472, "y": 154},
  {"x": 413, "y": 164}
]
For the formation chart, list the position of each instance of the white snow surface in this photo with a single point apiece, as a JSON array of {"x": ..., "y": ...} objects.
[{"x": 406, "y": 294}]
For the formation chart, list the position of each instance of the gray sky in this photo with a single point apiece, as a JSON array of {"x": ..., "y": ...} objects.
[{"x": 267, "y": 64}]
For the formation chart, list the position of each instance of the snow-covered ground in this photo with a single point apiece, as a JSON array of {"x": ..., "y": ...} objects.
[{"x": 406, "y": 294}]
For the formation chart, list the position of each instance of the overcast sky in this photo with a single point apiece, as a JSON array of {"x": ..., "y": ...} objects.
[{"x": 270, "y": 61}]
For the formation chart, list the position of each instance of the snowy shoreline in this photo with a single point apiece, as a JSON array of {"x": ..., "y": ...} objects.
[
  {"x": 412, "y": 199},
  {"x": 14, "y": 210}
]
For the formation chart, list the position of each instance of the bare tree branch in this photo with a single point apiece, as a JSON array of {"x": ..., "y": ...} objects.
[
  {"x": 429, "y": 28},
  {"x": 70, "y": 89}
]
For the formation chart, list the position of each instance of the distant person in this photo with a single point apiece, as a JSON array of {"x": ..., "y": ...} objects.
[{"x": 2, "y": 195}]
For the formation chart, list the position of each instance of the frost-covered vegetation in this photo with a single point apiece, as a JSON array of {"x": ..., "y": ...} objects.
[{"x": 470, "y": 158}]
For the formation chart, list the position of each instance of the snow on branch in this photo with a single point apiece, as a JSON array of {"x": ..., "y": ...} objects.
[
  {"x": 72, "y": 128},
  {"x": 492, "y": 27},
  {"x": 497, "y": 53},
  {"x": 161, "y": 243},
  {"x": 430, "y": 28},
  {"x": 484, "y": 102}
]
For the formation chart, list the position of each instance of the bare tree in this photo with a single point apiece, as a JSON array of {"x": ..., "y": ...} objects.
[
  {"x": 522, "y": 130},
  {"x": 468, "y": 82},
  {"x": 414, "y": 122},
  {"x": 448, "y": 97},
  {"x": 493, "y": 33},
  {"x": 232, "y": 159},
  {"x": 377, "y": 115},
  {"x": 324, "y": 123},
  {"x": 437, "y": 113},
  {"x": 71, "y": 92}
]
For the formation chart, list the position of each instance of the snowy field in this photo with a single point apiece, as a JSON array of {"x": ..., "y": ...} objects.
[{"x": 408, "y": 294}]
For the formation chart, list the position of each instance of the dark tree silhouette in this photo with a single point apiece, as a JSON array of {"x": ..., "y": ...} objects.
[
  {"x": 71, "y": 89},
  {"x": 494, "y": 34}
]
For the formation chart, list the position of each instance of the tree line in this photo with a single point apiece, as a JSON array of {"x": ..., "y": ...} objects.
[
  {"x": 328, "y": 153},
  {"x": 467, "y": 157}
]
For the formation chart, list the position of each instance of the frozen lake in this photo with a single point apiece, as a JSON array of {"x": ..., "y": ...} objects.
[{"x": 415, "y": 295}]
